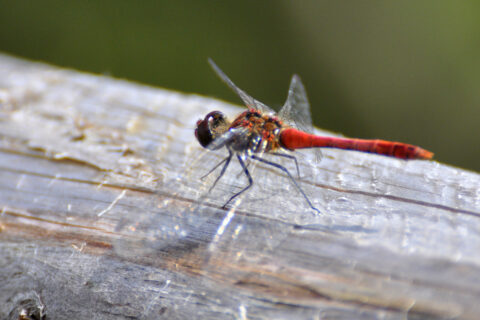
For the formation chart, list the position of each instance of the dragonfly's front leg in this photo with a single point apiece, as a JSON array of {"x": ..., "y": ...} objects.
[
  {"x": 227, "y": 162},
  {"x": 215, "y": 168},
  {"x": 250, "y": 181}
]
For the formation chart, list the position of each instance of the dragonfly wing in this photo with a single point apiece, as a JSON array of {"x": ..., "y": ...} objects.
[
  {"x": 237, "y": 134},
  {"x": 296, "y": 110},
  {"x": 246, "y": 98}
]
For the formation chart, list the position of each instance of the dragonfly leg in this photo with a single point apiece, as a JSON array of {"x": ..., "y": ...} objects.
[
  {"x": 289, "y": 157},
  {"x": 227, "y": 162},
  {"x": 276, "y": 165},
  {"x": 247, "y": 163},
  {"x": 214, "y": 168},
  {"x": 250, "y": 182}
]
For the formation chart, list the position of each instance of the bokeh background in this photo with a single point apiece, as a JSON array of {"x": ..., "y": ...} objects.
[{"x": 398, "y": 70}]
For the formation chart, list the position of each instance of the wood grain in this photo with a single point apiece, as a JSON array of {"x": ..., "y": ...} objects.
[{"x": 104, "y": 216}]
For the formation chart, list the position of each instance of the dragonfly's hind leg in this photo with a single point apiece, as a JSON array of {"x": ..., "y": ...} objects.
[
  {"x": 276, "y": 165},
  {"x": 289, "y": 157}
]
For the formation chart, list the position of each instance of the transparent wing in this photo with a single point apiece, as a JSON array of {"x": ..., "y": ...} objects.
[
  {"x": 246, "y": 98},
  {"x": 296, "y": 110},
  {"x": 239, "y": 134}
]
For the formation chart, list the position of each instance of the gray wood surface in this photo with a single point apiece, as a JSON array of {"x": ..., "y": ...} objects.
[{"x": 103, "y": 215}]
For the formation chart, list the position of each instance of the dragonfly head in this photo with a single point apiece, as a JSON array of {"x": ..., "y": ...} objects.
[{"x": 214, "y": 124}]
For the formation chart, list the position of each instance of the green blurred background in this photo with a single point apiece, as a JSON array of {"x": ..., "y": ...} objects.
[{"x": 404, "y": 70}]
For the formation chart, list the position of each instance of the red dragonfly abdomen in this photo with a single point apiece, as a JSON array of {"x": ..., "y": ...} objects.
[{"x": 292, "y": 139}]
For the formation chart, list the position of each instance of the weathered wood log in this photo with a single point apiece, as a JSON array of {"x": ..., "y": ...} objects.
[{"x": 103, "y": 215}]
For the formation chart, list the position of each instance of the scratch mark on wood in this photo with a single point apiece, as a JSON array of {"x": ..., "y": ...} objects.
[
  {"x": 10, "y": 212},
  {"x": 20, "y": 181},
  {"x": 114, "y": 202}
]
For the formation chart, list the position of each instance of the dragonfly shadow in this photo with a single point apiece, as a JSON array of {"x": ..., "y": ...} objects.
[{"x": 335, "y": 228}]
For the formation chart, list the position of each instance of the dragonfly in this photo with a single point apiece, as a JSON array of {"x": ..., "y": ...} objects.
[{"x": 260, "y": 130}]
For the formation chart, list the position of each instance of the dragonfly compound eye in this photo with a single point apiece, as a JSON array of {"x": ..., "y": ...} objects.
[{"x": 208, "y": 128}]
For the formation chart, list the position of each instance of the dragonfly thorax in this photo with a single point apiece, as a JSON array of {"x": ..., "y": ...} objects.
[{"x": 258, "y": 132}]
